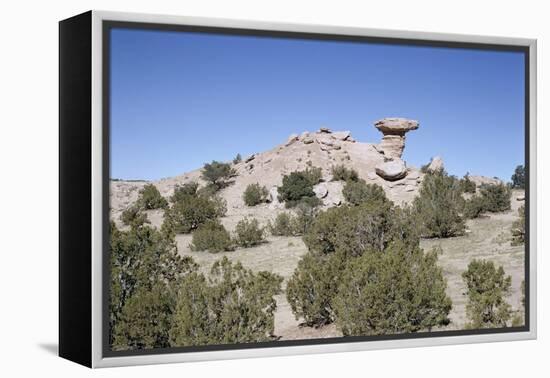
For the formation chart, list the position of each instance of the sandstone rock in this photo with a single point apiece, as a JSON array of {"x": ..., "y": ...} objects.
[
  {"x": 394, "y": 130},
  {"x": 409, "y": 188},
  {"x": 325, "y": 130},
  {"x": 392, "y": 170},
  {"x": 413, "y": 175},
  {"x": 321, "y": 190},
  {"x": 520, "y": 198},
  {"x": 291, "y": 139},
  {"x": 484, "y": 180},
  {"x": 372, "y": 176},
  {"x": 334, "y": 196},
  {"x": 341, "y": 135},
  {"x": 307, "y": 140},
  {"x": 250, "y": 158},
  {"x": 436, "y": 164}
]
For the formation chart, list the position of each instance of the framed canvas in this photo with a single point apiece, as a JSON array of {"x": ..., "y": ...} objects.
[{"x": 234, "y": 189}]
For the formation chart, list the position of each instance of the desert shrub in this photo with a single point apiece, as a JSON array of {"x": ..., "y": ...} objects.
[
  {"x": 351, "y": 230},
  {"x": 399, "y": 290},
  {"x": 191, "y": 211},
  {"x": 439, "y": 204},
  {"x": 298, "y": 187},
  {"x": 145, "y": 320},
  {"x": 341, "y": 173},
  {"x": 255, "y": 194},
  {"x": 233, "y": 306},
  {"x": 305, "y": 215},
  {"x": 218, "y": 174},
  {"x": 313, "y": 286},
  {"x": 181, "y": 192},
  {"x": 496, "y": 197},
  {"x": 474, "y": 207},
  {"x": 237, "y": 159},
  {"x": 468, "y": 186},
  {"x": 282, "y": 225},
  {"x": 518, "y": 178},
  {"x": 150, "y": 198},
  {"x": 249, "y": 233},
  {"x": 357, "y": 192},
  {"x": 518, "y": 228},
  {"x": 133, "y": 216},
  {"x": 211, "y": 236},
  {"x": 487, "y": 288},
  {"x": 405, "y": 225},
  {"x": 141, "y": 259}
]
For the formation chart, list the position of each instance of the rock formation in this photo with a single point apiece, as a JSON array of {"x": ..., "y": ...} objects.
[
  {"x": 436, "y": 164},
  {"x": 394, "y": 130},
  {"x": 392, "y": 170}
]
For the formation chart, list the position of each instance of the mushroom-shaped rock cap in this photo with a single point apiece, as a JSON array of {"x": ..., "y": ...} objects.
[{"x": 396, "y": 126}]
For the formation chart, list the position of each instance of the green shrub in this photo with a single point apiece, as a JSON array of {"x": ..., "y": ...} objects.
[
  {"x": 474, "y": 207},
  {"x": 282, "y": 225},
  {"x": 487, "y": 288},
  {"x": 468, "y": 186},
  {"x": 518, "y": 228},
  {"x": 145, "y": 320},
  {"x": 181, "y": 192},
  {"x": 518, "y": 178},
  {"x": 191, "y": 211},
  {"x": 249, "y": 233},
  {"x": 141, "y": 259},
  {"x": 218, "y": 174},
  {"x": 237, "y": 159},
  {"x": 496, "y": 197},
  {"x": 255, "y": 194},
  {"x": 134, "y": 216},
  {"x": 312, "y": 287},
  {"x": 399, "y": 290},
  {"x": 150, "y": 198},
  {"x": 439, "y": 205},
  {"x": 341, "y": 173},
  {"x": 298, "y": 187},
  {"x": 357, "y": 192},
  {"x": 234, "y": 306},
  {"x": 305, "y": 215},
  {"x": 211, "y": 236}
]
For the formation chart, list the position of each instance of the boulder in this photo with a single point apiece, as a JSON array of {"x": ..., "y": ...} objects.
[
  {"x": 409, "y": 188},
  {"x": 321, "y": 190},
  {"x": 325, "y": 130},
  {"x": 520, "y": 198},
  {"x": 341, "y": 135},
  {"x": 392, "y": 170},
  {"x": 291, "y": 139},
  {"x": 436, "y": 164},
  {"x": 250, "y": 158},
  {"x": 307, "y": 140},
  {"x": 334, "y": 195}
]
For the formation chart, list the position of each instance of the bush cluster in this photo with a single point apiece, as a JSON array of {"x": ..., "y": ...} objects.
[
  {"x": 248, "y": 233},
  {"x": 487, "y": 288},
  {"x": 439, "y": 205},
  {"x": 496, "y": 197},
  {"x": 518, "y": 228},
  {"x": 468, "y": 186},
  {"x": 254, "y": 194},
  {"x": 133, "y": 215},
  {"x": 518, "y": 178},
  {"x": 358, "y": 192},
  {"x": 474, "y": 207},
  {"x": 150, "y": 198},
  {"x": 297, "y": 187},
  {"x": 233, "y": 306},
  {"x": 341, "y": 173},
  {"x": 211, "y": 236}
]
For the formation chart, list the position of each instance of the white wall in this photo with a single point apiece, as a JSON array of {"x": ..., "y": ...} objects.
[{"x": 28, "y": 209}]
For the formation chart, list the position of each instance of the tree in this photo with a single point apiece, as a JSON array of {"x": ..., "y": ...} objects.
[
  {"x": 474, "y": 207},
  {"x": 191, "y": 211},
  {"x": 518, "y": 178},
  {"x": 282, "y": 225},
  {"x": 496, "y": 197},
  {"x": 233, "y": 306},
  {"x": 399, "y": 290},
  {"x": 254, "y": 194},
  {"x": 134, "y": 216},
  {"x": 341, "y": 173},
  {"x": 249, "y": 233},
  {"x": 218, "y": 174},
  {"x": 150, "y": 198},
  {"x": 439, "y": 204},
  {"x": 357, "y": 192},
  {"x": 313, "y": 286},
  {"x": 237, "y": 159},
  {"x": 181, "y": 192},
  {"x": 141, "y": 258},
  {"x": 518, "y": 228},
  {"x": 211, "y": 236},
  {"x": 487, "y": 287},
  {"x": 298, "y": 187}
]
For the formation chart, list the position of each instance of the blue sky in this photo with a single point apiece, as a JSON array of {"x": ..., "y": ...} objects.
[{"x": 179, "y": 99}]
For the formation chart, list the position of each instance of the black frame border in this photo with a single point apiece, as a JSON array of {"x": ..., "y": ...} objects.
[{"x": 108, "y": 25}]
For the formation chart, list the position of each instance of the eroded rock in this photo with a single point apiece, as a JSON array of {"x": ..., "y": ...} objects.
[
  {"x": 392, "y": 170},
  {"x": 394, "y": 130}
]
